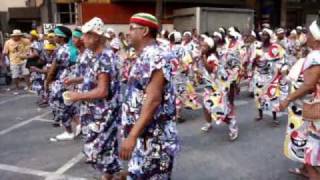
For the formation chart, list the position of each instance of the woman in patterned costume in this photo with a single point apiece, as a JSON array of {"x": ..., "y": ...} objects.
[
  {"x": 310, "y": 129},
  {"x": 216, "y": 102},
  {"x": 58, "y": 71},
  {"x": 99, "y": 98},
  {"x": 267, "y": 76}
]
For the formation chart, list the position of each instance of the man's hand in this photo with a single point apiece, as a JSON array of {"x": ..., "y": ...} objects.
[{"x": 127, "y": 148}]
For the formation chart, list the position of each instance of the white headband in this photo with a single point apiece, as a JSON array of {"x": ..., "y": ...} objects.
[
  {"x": 315, "y": 30},
  {"x": 253, "y": 34},
  {"x": 217, "y": 34},
  {"x": 187, "y": 33},
  {"x": 209, "y": 41},
  {"x": 280, "y": 30},
  {"x": 293, "y": 32},
  {"x": 222, "y": 30},
  {"x": 177, "y": 36},
  {"x": 269, "y": 31}
]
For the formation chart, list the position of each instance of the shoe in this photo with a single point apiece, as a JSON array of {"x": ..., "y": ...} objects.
[
  {"x": 206, "y": 127},
  {"x": 276, "y": 123},
  {"x": 180, "y": 120},
  {"x": 15, "y": 93},
  {"x": 43, "y": 104},
  {"x": 26, "y": 88},
  {"x": 233, "y": 135},
  {"x": 65, "y": 136},
  {"x": 31, "y": 91},
  {"x": 56, "y": 124}
]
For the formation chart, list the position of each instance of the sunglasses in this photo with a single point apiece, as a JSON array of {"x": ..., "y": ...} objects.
[{"x": 132, "y": 27}]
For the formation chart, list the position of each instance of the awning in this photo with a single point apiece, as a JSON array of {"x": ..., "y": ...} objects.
[
  {"x": 213, "y": 2},
  {"x": 24, "y": 13}
]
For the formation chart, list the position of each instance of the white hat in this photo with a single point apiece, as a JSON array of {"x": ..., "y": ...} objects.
[
  {"x": 217, "y": 34},
  {"x": 315, "y": 30},
  {"x": 187, "y": 33},
  {"x": 115, "y": 43},
  {"x": 269, "y": 31},
  {"x": 209, "y": 41},
  {"x": 110, "y": 30},
  {"x": 16, "y": 32},
  {"x": 280, "y": 31},
  {"x": 299, "y": 28},
  {"x": 94, "y": 25}
]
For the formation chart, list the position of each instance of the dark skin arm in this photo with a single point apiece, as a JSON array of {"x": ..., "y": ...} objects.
[
  {"x": 99, "y": 92},
  {"x": 311, "y": 78},
  {"x": 154, "y": 93},
  {"x": 76, "y": 80}
]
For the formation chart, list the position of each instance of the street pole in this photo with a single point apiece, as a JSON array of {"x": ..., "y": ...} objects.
[
  {"x": 159, "y": 10},
  {"x": 283, "y": 21}
]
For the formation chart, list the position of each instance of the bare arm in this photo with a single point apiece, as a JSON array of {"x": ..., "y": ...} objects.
[
  {"x": 311, "y": 78},
  {"x": 99, "y": 92},
  {"x": 154, "y": 94}
]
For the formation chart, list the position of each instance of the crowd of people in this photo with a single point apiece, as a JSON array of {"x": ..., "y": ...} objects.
[{"x": 124, "y": 93}]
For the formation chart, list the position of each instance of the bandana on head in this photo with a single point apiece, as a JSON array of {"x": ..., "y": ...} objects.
[
  {"x": 217, "y": 34},
  {"x": 94, "y": 25},
  {"x": 58, "y": 32},
  {"x": 209, "y": 41},
  {"x": 145, "y": 19},
  {"x": 315, "y": 29},
  {"x": 268, "y": 31},
  {"x": 77, "y": 34}
]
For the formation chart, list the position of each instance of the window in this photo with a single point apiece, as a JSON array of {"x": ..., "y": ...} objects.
[{"x": 66, "y": 13}]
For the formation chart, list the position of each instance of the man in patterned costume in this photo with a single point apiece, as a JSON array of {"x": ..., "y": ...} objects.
[{"x": 148, "y": 112}]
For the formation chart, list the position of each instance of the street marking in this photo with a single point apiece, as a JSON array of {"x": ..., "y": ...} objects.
[
  {"x": 14, "y": 98},
  {"x": 44, "y": 120},
  {"x": 16, "y": 126},
  {"x": 240, "y": 102},
  {"x": 22, "y": 170},
  {"x": 70, "y": 163},
  {"x": 48, "y": 175}
]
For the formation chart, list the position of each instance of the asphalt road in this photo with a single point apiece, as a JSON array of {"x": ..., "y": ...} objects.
[{"x": 27, "y": 154}]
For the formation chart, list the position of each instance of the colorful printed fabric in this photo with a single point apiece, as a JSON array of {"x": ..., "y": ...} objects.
[
  {"x": 153, "y": 155},
  {"x": 100, "y": 118},
  {"x": 296, "y": 135},
  {"x": 269, "y": 83},
  {"x": 312, "y": 151},
  {"x": 37, "y": 80},
  {"x": 216, "y": 99},
  {"x": 61, "y": 57}
]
